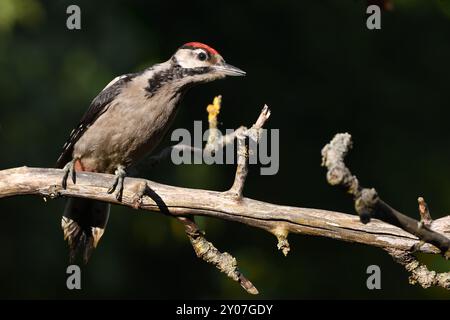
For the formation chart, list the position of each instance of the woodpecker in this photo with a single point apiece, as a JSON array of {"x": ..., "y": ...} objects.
[{"x": 123, "y": 123}]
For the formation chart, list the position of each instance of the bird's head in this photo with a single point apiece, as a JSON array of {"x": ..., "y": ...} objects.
[{"x": 203, "y": 62}]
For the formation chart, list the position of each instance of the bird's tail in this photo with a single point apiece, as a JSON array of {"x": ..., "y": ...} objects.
[{"x": 83, "y": 223}]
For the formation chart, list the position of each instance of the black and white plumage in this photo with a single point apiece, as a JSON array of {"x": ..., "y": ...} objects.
[
  {"x": 126, "y": 121},
  {"x": 98, "y": 106}
]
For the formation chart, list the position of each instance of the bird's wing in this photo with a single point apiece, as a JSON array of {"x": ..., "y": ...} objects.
[{"x": 98, "y": 106}]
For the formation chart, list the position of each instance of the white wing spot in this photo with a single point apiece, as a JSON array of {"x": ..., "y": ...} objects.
[{"x": 114, "y": 81}]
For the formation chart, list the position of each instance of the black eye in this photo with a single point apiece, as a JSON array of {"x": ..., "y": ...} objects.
[{"x": 202, "y": 56}]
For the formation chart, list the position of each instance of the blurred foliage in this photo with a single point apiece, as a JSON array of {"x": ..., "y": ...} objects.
[
  {"x": 313, "y": 62},
  {"x": 26, "y": 13}
]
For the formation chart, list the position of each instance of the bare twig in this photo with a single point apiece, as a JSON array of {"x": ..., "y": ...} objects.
[
  {"x": 419, "y": 272},
  {"x": 243, "y": 152},
  {"x": 367, "y": 202},
  {"x": 425, "y": 216},
  {"x": 208, "y": 252}
]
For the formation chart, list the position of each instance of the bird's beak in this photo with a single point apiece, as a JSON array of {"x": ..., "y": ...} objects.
[{"x": 229, "y": 70}]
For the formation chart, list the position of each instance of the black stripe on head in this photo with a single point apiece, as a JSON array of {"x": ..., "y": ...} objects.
[{"x": 176, "y": 72}]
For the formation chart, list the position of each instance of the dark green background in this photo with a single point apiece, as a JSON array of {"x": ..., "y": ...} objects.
[{"x": 313, "y": 62}]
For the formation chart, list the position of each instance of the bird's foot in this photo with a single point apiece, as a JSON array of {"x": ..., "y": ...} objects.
[
  {"x": 117, "y": 186},
  {"x": 69, "y": 169}
]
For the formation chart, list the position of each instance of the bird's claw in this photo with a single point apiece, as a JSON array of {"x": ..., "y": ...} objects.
[
  {"x": 68, "y": 170},
  {"x": 114, "y": 185},
  {"x": 117, "y": 186}
]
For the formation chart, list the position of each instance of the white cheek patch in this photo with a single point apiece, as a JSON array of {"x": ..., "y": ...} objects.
[{"x": 188, "y": 58}]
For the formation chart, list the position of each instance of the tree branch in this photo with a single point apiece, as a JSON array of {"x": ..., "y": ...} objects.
[
  {"x": 208, "y": 252},
  {"x": 367, "y": 202},
  {"x": 419, "y": 272},
  {"x": 176, "y": 201},
  {"x": 231, "y": 205}
]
